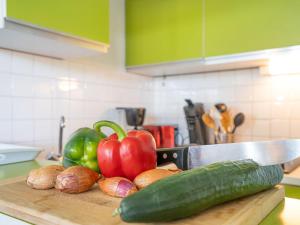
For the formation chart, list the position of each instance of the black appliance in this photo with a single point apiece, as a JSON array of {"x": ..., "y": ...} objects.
[
  {"x": 134, "y": 116},
  {"x": 196, "y": 128}
]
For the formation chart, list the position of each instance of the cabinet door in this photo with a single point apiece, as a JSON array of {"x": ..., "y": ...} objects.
[
  {"x": 87, "y": 19},
  {"x": 236, "y": 26},
  {"x": 163, "y": 31}
]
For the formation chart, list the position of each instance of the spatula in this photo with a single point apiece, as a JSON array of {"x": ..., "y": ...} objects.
[
  {"x": 226, "y": 122},
  {"x": 210, "y": 122}
]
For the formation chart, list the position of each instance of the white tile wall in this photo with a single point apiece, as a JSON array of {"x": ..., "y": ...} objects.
[
  {"x": 271, "y": 103},
  {"x": 5, "y": 61},
  {"x": 36, "y": 91},
  {"x": 40, "y": 90}
]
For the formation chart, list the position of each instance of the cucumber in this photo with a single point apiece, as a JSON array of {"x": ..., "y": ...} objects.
[{"x": 192, "y": 191}]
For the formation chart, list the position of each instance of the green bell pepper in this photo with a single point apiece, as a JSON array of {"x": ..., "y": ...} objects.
[{"x": 81, "y": 149}]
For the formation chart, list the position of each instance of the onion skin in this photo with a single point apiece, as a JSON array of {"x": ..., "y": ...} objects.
[
  {"x": 76, "y": 179},
  {"x": 117, "y": 186},
  {"x": 150, "y": 176},
  {"x": 175, "y": 170},
  {"x": 44, "y": 178}
]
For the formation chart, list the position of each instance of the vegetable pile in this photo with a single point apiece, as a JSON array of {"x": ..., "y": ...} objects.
[
  {"x": 192, "y": 191},
  {"x": 124, "y": 166},
  {"x": 121, "y": 158}
]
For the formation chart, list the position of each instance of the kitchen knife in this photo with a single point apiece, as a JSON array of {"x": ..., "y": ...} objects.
[{"x": 264, "y": 153}]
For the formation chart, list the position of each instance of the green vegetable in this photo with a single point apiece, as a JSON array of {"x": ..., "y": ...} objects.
[
  {"x": 81, "y": 149},
  {"x": 190, "y": 192}
]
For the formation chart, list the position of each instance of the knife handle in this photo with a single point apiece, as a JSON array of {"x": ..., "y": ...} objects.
[{"x": 178, "y": 156}]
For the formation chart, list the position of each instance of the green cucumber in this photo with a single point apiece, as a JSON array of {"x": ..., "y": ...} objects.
[{"x": 192, "y": 191}]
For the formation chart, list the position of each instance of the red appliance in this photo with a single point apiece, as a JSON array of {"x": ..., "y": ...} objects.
[{"x": 164, "y": 135}]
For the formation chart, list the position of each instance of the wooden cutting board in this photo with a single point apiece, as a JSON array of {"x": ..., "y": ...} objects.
[{"x": 93, "y": 207}]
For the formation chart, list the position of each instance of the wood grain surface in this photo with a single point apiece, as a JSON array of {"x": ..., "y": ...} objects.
[{"x": 93, "y": 207}]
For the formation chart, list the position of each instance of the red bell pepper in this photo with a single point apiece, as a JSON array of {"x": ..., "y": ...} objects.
[{"x": 125, "y": 155}]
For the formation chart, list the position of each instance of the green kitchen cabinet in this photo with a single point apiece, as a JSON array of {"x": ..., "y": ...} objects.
[
  {"x": 88, "y": 19},
  {"x": 163, "y": 31},
  {"x": 172, "y": 37},
  {"x": 235, "y": 26}
]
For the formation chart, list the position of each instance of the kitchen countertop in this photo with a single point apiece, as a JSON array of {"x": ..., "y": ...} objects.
[
  {"x": 292, "y": 178},
  {"x": 287, "y": 212}
]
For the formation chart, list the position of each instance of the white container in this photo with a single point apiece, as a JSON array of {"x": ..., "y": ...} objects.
[{"x": 15, "y": 153}]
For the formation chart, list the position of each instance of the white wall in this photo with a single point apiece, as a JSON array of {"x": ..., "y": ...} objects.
[
  {"x": 271, "y": 103},
  {"x": 36, "y": 91}
]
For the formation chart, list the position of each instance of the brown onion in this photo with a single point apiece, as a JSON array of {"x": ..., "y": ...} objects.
[
  {"x": 76, "y": 179},
  {"x": 117, "y": 186},
  {"x": 150, "y": 176},
  {"x": 44, "y": 178}
]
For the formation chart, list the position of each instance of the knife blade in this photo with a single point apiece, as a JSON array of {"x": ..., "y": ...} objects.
[{"x": 263, "y": 152}]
